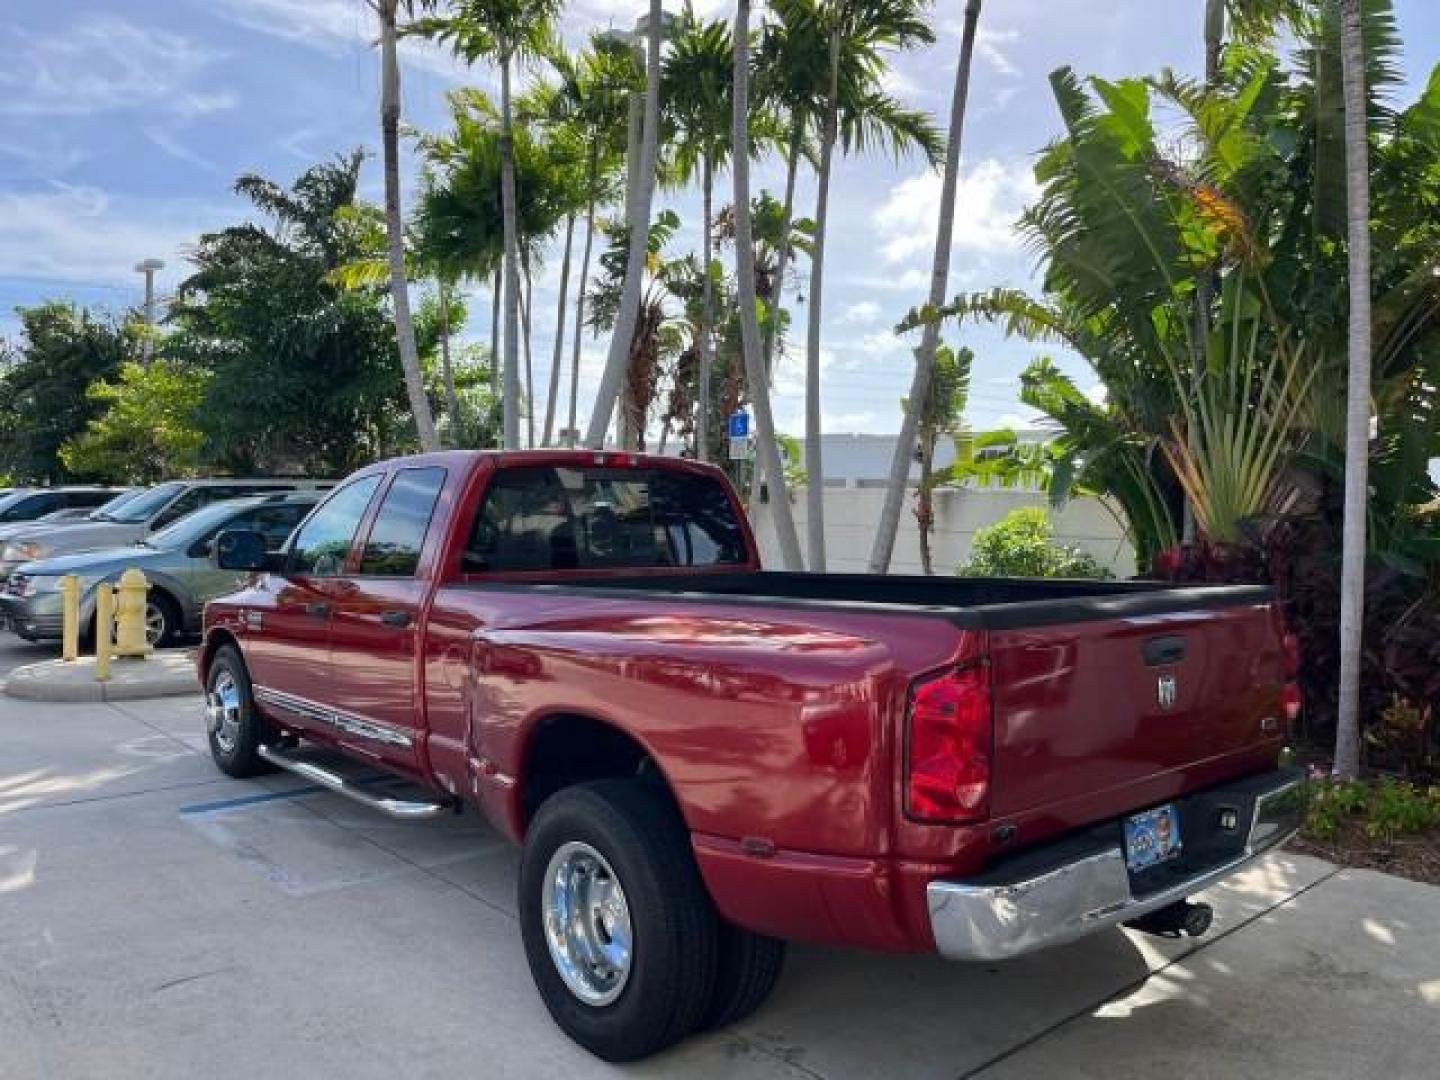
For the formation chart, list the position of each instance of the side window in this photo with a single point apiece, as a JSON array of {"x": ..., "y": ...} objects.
[
  {"x": 393, "y": 549},
  {"x": 275, "y": 523},
  {"x": 191, "y": 501},
  {"x": 324, "y": 541},
  {"x": 87, "y": 498}
]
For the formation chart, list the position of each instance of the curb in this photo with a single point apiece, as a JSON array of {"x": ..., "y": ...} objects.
[{"x": 163, "y": 675}]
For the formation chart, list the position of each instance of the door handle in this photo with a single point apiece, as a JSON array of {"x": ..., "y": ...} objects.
[
  {"x": 318, "y": 610},
  {"x": 395, "y": 618}
]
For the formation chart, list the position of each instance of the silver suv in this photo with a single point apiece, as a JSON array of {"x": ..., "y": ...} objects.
[{"x": 137, "y": 518}]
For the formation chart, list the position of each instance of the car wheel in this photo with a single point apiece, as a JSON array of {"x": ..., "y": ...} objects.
[
  {"x": 162, "y": 620},
  {"x": 235, "y": 727},
  {"x": 748, "y": 967},
  {"x": 618, "y": 929}
]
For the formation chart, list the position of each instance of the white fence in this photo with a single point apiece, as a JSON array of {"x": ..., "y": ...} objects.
[{"x": 851, "y": 514}]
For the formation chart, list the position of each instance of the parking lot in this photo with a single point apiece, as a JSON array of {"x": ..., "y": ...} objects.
[{"x": 159, "y": 920}]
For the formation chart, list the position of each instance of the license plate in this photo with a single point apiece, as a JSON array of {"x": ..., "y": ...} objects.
[{"x": 1152, "y": 837}]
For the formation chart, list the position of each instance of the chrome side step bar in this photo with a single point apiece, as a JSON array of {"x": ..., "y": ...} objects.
[{"x": 405, "y": 809}]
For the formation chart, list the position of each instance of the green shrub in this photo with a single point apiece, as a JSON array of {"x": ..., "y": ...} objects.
[
  {"x": 1386, "y": 808},
  {"x": 1022, "y": 544}
]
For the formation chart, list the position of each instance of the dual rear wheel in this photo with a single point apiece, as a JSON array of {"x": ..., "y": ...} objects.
[{"x": 622, "y": 939}]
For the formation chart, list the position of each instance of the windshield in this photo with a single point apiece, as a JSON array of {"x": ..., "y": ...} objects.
[
  {"x": 146, "y": 505},
  {"x": 199, "y": 525},
  {"x": 103, "y": 511}
]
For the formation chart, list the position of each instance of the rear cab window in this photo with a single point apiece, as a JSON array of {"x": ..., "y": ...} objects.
[{"x": 583, "y": 518}]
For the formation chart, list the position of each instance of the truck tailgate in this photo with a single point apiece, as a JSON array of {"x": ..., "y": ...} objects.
[{"x": 1082, "y": 709}]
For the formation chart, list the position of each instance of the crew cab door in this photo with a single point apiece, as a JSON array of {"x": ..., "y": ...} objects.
[
  {"x": 288, "y": 645},
  {"x": 375, "y": 627}
]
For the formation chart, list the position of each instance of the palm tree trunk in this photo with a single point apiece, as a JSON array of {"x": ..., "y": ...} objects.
[
  {"x": 925, "y": 502},
  {"x": 767, "y": 447},
  {"x": 637, "y": 219},
  {"x": 452, "y": 397},
  {"x": 559, "y": 354},
  {"x": 939, "y": 284},
  {"x": 782, "y": 263},
  {"x": 495, "y": 294},
  {"x": 395, "y": 229},
  {"x": 525, "y": 300},
  {"x": 580, "y": 295},
  {"x": 707, "y": 313},
  {"x": 814, "y": 466},
  {"x": 1214, "y": 38},
  {"x": 512, "y": 258},
  {"x": 1357, "y": 411}
]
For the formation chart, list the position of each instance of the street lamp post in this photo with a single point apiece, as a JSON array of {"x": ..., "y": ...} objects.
[{"x": 148, "y": 268}]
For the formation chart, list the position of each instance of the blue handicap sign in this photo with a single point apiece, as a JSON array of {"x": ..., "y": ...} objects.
[{"x": 739, "y": 425}]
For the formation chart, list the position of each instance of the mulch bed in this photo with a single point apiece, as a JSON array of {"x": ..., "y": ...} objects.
[{"x": 1415, "y": 857}]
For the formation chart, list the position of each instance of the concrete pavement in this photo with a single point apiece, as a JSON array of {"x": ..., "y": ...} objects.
[{"x": 159, "y": 920}]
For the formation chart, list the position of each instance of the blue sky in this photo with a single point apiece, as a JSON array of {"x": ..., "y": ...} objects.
[{"x": 123, "y": 124}]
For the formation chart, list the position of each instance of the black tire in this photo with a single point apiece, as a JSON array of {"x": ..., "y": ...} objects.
[
  {"x": 170, "y": 618},
  {"x": 671, "y": 979},
  {"x": 236, "y": 754},
  {"x": 747, "y": 969}
]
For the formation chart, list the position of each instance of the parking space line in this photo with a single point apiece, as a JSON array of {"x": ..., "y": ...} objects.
[{"x": 249, "y": 800}]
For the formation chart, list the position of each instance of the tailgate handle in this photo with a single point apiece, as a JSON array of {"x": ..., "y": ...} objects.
[{"x": 1164, "y": 650}]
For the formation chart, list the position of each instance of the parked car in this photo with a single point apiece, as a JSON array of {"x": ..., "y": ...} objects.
[
  {"x": 28, "y": 504},
  {"x": 69, "y": 515},
  {"x": 176, "y": 561},
  {"x": 148, "y": 512},
  {"x": 702, "y": 759}
]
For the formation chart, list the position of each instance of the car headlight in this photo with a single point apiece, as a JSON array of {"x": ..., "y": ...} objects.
[{"x": 24, "y": 551}]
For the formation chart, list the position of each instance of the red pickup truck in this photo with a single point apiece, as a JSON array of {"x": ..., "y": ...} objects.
[{"x": 702, "y": 759}]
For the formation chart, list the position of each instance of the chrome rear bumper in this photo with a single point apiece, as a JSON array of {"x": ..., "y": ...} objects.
[{"x": 996, "y": 920}]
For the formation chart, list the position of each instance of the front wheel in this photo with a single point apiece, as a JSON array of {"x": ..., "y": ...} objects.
[
  {"x": 235, "y": 727},
  {"x": 619, "y": 932}
]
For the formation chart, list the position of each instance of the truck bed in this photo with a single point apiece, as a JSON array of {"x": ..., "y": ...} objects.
[{"x": 979, "y": 603}]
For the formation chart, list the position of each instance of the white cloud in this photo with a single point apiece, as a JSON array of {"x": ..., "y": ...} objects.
[
  {"x": 334, "y": 27},
  {"x": 170, "y": 144},
  {"x": 105, "y": 64},
  {"x": 80, "y": 234},
  {"x": 863, "y": 311},
  {"x": 994, "y": 45},
  {"x": 988, "y": 200}
]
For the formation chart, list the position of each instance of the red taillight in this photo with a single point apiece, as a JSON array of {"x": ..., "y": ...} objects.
[
  {"x": 1291, "y": 701},
  {"x": 948, "y": 751}
]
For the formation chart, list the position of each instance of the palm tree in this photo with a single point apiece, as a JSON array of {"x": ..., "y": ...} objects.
[
  {"x": 637, "y": 219},
  {"x": 698, "y": 83},
  {"x": 1357, "y": 412},
  {"x": 507, "y": 31},
  {"x": 386, "y": 11},
  {"x": 939, "y": 280},
  {"x": 821, "y": 71},
  {"x": 589, "y": 105},
  {"x": 941, "y": 414},
  {"x": 766, "y": 444}
]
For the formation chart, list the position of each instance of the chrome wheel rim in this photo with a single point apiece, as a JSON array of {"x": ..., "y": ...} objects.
[
  {"x": 154, "y": 624},
  {"x": 222, "y": 712},
  {"x": 587, "y": 923}
]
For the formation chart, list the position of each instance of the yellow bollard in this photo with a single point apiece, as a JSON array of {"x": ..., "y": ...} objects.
[
  {"x": 70, "y": 630},
  {"x": 130, "y": 614},
  {"x": 104, "y": 629}
]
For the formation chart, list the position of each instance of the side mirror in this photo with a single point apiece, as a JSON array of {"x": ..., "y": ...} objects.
[{"x": 242, "y": 549}]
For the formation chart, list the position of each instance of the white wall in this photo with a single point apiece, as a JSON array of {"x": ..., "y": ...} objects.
[{"x": 851, "y": 515}]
